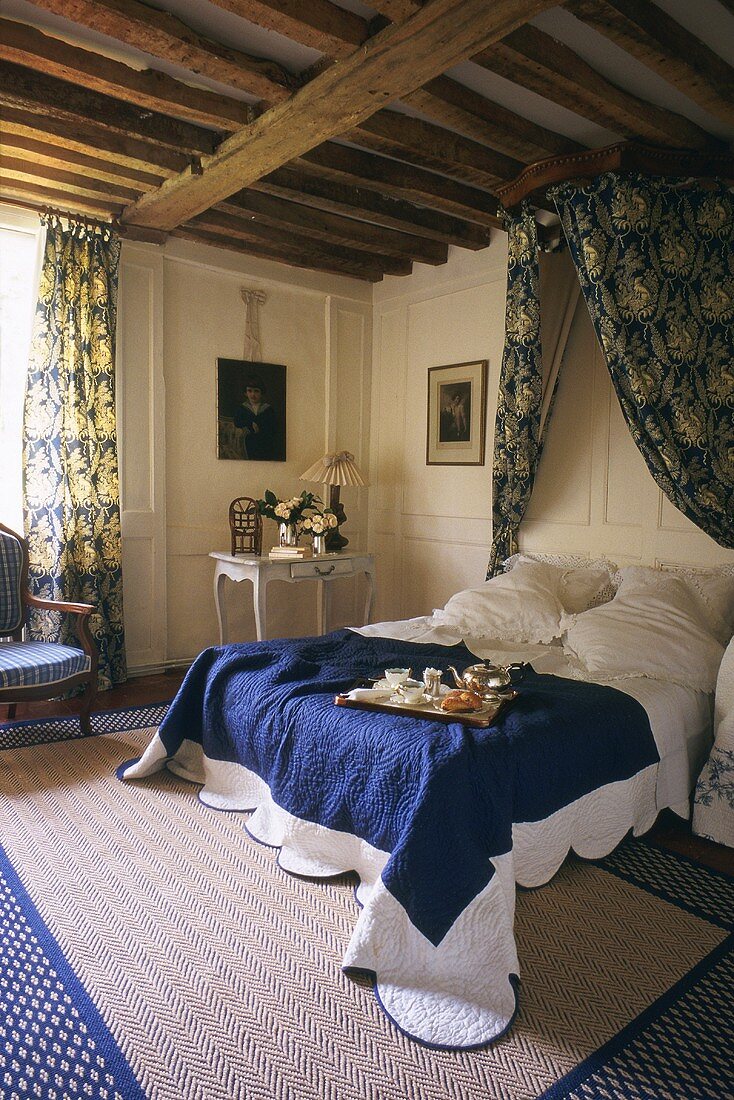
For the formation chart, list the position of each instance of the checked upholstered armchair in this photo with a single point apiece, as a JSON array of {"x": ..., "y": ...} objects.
[{"x": 39, "y": 670}]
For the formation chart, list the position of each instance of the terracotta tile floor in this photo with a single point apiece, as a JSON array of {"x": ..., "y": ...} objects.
[{"x": 669, "y": 832}]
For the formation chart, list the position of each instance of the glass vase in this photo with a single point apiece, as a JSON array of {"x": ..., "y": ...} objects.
[
  {"x": 319, "y": 545},
  {"x": 287, "y": 534}
]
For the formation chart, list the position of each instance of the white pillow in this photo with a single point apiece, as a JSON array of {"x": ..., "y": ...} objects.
[
  {"x": 652, "y": 628},
  {"x": 521, "y": 606},
  {"x": 582, "y": 583},
  {"x": 713, "y": 593}
]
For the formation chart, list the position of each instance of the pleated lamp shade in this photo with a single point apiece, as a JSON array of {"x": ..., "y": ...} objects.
[{"x": 334, "y": 469}]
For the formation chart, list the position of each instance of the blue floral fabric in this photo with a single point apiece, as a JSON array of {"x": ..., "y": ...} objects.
[
  {"x": 655, "y": 259},
  {"x": 71, "y": 488},
  {"x": 517, "y": 443}
]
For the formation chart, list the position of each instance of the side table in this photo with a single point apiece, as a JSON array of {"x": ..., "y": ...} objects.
[{"x": 262, "y": 570}]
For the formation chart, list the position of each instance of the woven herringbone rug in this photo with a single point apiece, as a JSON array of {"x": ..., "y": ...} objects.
[{"x": 151, "y": 948}]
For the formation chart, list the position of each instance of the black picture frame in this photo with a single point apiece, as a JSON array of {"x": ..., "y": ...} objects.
[{"x": 247, "y": 431}]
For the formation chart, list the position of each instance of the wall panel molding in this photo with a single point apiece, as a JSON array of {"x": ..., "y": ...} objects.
[{"x": 141, "y": 441}]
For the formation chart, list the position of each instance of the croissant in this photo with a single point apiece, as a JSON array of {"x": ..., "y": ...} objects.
[{"x": 461, "y": 702}]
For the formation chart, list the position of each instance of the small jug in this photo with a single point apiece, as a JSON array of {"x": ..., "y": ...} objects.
[{"x": 432, "y": 680}]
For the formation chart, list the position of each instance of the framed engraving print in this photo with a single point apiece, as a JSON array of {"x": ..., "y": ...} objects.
[{"x": 457, "y": 412}]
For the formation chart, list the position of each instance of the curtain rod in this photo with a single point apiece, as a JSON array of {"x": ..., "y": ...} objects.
[{"x": 625, "y": 156}]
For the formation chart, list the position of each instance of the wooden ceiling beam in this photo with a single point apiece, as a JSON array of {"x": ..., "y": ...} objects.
[
  {"x": 533, "y": 59},
  {"x": 248, "y": 229},
  {"x": 432, "y": 147},
  {"x": 14, "y": 168},
  {"x": 59, "y": 156},
  {"x": 331, "y": 228},
  {"x": 401, "y": 181},
  {"x": 445, "y": 101},
  {"x": 163, "y": 35},
  {"x": 651, "y": 36},
  {"x": 393, "y": 63},
  {"x": 453, "y": 105},
  {"x": 318, "y": 24},
  {"x": 155, "y": 91},
  {"x": 209, "y": 228},
  {"x": 358, "y": 202},
  {"x": 87, "y": 137},
  {"x": 53, "y": 98},
  {"x": 41, "y": 196}
]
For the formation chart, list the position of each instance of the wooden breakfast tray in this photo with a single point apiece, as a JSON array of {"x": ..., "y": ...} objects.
[{"x": 478, "y": 719}]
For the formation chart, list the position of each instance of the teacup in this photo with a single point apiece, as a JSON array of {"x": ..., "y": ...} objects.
[
  {"x": 411, "y": 691},
  {"x": 395, "y": 676}
]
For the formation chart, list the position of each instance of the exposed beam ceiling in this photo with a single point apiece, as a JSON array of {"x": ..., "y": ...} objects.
[
  {"x": 354, "y": 142},
  {"x": 651, "y": 36},
  {"x": 393, "y": 63},
  {"x": 163, "y": 35},
  {"x": 554, "y": 71},
  {"x": 149, "y": 89}
]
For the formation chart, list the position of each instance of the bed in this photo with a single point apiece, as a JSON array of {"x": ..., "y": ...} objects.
[{"x": 440, "y": 822}]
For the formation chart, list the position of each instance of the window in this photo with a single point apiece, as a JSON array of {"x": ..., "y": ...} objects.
[{"x": 20, "y": 254}]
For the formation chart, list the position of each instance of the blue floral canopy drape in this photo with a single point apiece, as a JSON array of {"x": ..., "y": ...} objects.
[
  {"x": 519, "y": 422},
  {"x": 655, "y": 259},
  {"x": 71, "y": 487}
]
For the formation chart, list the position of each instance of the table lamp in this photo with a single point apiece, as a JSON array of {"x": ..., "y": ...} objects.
[{"x": 335, "y": 469}]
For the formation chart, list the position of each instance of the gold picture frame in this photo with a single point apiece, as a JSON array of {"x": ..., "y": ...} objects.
[{"x": 457, "y": 414}]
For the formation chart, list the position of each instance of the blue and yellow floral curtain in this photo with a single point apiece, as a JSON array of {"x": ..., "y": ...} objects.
[
  {"x": 517, "y": 441},
  {"x": 71, "y": 488},
  {"x": 655, "y": 259}
]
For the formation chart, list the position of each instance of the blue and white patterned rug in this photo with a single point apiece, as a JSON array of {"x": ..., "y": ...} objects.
[
  {"x": 40, "y": 731},
  {"x": 150, "y": 949}
]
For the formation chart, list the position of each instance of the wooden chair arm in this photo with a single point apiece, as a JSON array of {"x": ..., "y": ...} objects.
[
  {"x": 82, "y": 611},
  {"x": 59, "y": 605}
]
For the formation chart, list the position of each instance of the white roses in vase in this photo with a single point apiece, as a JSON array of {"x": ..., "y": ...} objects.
[{"x": 319, "y": 523}]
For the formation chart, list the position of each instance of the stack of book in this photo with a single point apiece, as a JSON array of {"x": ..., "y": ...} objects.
[{"x": 290, "y": 553}]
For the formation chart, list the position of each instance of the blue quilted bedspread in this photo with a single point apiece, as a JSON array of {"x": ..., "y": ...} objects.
[{"x": 441, "y": 799}]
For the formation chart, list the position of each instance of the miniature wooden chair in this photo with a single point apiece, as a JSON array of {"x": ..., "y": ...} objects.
[{"x": 246, "y": 526}]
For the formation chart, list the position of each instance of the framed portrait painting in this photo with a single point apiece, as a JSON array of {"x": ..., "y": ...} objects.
[
  {"x": 457, "y": 411},
  {"x": 250, "y": 410}
]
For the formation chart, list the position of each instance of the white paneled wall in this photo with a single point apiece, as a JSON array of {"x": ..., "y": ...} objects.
[
  {"x": 431, "y": 524},
  {"x": 180, "y": 310},
  {"x": 357, "y": 359}
]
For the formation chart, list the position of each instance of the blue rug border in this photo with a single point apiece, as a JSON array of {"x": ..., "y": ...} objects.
[
  {"x": 683, "y": 857},
  {"x": 661, "y": 894},
  {"x": 16, "y": 722},
  {"x": 116, "y": 1064},
  {"x": 561, "y": 1089}
]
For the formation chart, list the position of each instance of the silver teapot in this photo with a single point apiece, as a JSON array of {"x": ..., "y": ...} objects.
[{"x": 487, "y": 679}]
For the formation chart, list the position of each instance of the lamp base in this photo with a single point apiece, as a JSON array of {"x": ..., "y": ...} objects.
[{"x": 335, "y": 542}]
